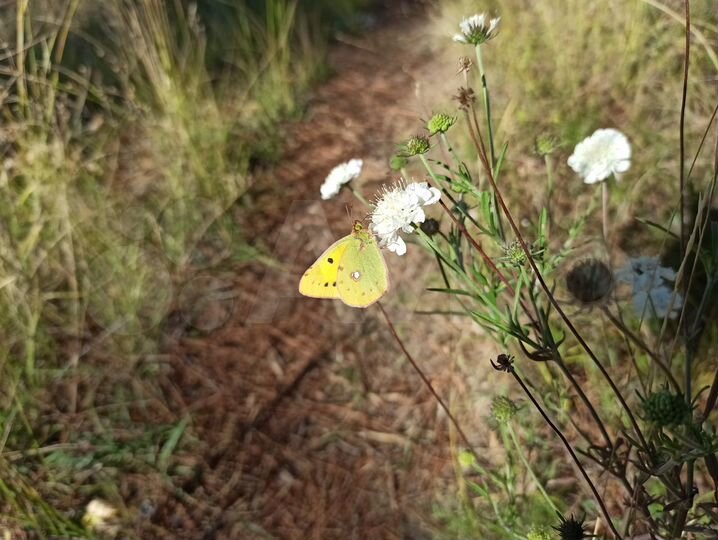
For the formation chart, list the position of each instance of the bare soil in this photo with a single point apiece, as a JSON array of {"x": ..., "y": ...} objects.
[{"x": 309, "y": 422}]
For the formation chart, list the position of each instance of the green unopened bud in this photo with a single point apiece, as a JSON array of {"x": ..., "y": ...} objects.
[
  {"x": 419, "y": 144},
  {"x": 440, "y": 123},
  {"x": 515, "y": 254},
  {"x": 546, "y": 144},
  {"x": 503, "y": 409},
  {"x": 663, "y": 408},
  {"x": 539, "y": 533},
  {"x": 466, "y": 459}
]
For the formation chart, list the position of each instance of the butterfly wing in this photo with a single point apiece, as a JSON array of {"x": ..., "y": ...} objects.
[
  {"x": 362, "y": 275},
  {"x": 320, "y": 279}
]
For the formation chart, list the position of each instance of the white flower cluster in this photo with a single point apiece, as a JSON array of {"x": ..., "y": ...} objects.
[
  {"x": 652, "y": 287},
  {"x": 340, "y": 175},
  {"x": 398, "y": 210},
  {"x": 477, "y": 29},
  {"x": 604, "y": 153}
]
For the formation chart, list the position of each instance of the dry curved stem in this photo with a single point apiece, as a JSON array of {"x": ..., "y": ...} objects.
[
  {"x": 570, "y": 450},
  {"x": 428, "y": 384},
  {"x": 641, "y": 345},
  {"x": 475, "y": 243}
]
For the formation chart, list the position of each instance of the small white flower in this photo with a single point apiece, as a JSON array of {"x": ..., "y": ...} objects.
[
  {"x": 652, "y": 287},
  {"x": 604, "y": 153},
  {"x": 340, "y": 175},
  {"x": 477, "y": 29},
  {"x": 398, "y": 209},
  {"x": 99, "y": 516}
]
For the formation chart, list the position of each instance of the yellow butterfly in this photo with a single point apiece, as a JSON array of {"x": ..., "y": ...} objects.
[{"x": 352, "y": 269}]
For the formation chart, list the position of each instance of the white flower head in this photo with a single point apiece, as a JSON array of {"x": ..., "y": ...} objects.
[
  {"x": 99, "y": 517},
  {"x": 652, "y": 287},
  {"x": 398, "y": 210},
  {"x": 477, "y": 29},
  {"x": 340, "y": 175},
  {"x": 604, "y": 153}
]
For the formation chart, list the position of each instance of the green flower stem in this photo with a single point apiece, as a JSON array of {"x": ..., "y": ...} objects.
[
  {"x": 487, "y": 103},
  {"x": 450, "y": 148},
  {"x": 549, "y": 186},
  {"x": 460, "y": 272},
  {"x": 359, "y": 196},
  {"x": 431, "y": 172},
  {"x": 530, "y": 470},
  {"x": 604, "y": 209},
  {"x": 477, "y": 247}
]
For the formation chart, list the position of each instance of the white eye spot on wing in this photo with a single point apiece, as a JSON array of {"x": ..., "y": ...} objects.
[{"x": 356, "y": 275}]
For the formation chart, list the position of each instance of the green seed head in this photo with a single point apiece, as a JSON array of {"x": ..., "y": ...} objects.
[
  {"x": 440, "y": 123},
  {"x": 546, "y": 144},
  {"x": 515, "y": 254},
  {"x": 663, "y": 408},
  {"x": 503, "y": 409},
  {"x": 419, "y": 144}
]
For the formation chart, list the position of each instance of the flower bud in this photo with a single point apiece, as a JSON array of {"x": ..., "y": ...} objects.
[
  {"x": 503, "y": 409},
  {"x": 418, "y": 144},
  {"x": 440, "y": 123},
  {"x": 663, "y": 408}
]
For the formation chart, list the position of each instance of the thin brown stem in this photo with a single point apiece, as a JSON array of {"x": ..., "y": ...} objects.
[
  {"x": 684, "y": 97},
  {"x": 477, "y": 245},
  {"x": 428, "y": 384},
  {"x": 553, "y": 301},
  {"x": 641, "y": 345},
  {"x": 570, "y": 450}
]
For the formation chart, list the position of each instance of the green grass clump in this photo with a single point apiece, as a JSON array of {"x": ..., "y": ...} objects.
[
  {"x": 568, "y": 68},
  {"x": 129, "y": 131}
]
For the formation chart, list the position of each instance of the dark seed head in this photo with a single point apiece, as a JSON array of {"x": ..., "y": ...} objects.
[
  {"x": 571, "y": 528},
  {"x": 465, "y": 97},
  {"x": 590, "y": 281},
  {"x": 430, "y": 227}
]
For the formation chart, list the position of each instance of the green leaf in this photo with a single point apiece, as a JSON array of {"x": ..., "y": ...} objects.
[
  {"x": 500, "y": 161},
  {"x": 449, "y": 291},
  {"x": 169, "y": 447},
  {"x": 658, "y": 226}
]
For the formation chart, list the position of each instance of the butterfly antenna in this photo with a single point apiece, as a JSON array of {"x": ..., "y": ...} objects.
[{"x": 348, "y": 208}]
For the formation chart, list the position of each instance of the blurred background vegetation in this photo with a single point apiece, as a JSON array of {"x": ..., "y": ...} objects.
[{"x": 131, "y": 130}]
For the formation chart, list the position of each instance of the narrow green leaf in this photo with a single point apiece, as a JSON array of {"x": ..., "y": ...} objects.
[{"x": 171, "y": 444}]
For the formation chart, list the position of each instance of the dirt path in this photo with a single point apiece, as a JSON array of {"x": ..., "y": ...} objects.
[{"x": 310, "y": 423}]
